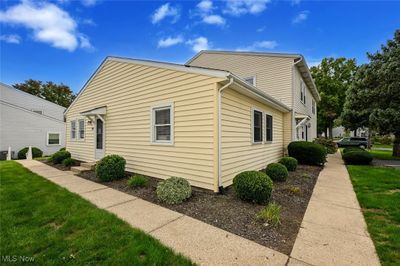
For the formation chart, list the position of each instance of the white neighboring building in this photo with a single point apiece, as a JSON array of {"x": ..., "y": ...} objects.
[{"x": 27, "y": 120}]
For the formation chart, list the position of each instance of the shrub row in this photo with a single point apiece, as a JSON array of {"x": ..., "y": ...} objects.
[
  {"x": 329, "y": 144},
  {"x": 36, "y": 152},
  {"x": 307, "y": 152},
  {"x": 357, "y": 157}
]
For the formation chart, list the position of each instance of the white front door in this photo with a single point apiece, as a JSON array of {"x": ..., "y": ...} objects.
[{"x": 100, "y": 139}]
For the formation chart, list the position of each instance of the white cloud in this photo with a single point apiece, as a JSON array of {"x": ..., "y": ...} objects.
[
  {"x": 295, "y": 2},
  {"x": 170, "y": 41},
  {"x": 89, "y": 3},
  {"x": 241, "y": 7},
  {"x": 199, "y": 44},
  {"x": 261, "y": 29},
  {"x": 165, "y": 11},
  {"x": 302, "y": 16},
  {"x": 214, "y": 19},
  {"x": 85, "y": 43},
  {"x": 49, "y": 24},
  {"x": 88, "y": 21},
  {"x": 11, "y": 38},
  {"x": 260, "y": 45},
  {"x": 205, "y": 6}
]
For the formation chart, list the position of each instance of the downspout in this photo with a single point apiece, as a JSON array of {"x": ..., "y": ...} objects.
[{"x": 220, "y": 187}]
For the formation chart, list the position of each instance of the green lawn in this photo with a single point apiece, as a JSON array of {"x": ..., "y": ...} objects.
[
  {"x": 378, "y": 191},
  {"x": 383, "y": 155},
  {"x": 42, "y": 220},
  {"x": 382, "y": 146}
]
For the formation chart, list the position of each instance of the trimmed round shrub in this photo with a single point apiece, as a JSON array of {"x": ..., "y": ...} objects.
[
  {"x": 36, "y": 152},
  {"x": 307, "y": 152},
  {"x": 351, "y": 149},
  {"x": 289, "y": 162},
  {"x": 174, "y": 190},
  {"x": 111, "y": 167},
  {"x": 277, "y": 172},
  {"x": 357, "y": 157},
  {"x": 60, "y": 156},
  {"x": 253, "y": 186},
  {"x": 62, "y": 149},
  {"x": 329, "y": 144},
  {"x": 68, "y": 162}
]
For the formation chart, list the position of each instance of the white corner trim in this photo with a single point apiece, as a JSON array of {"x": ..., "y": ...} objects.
[{"x": 160, "y": 106}]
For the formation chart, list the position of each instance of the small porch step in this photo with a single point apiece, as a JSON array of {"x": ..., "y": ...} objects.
[
  {"x": 79, "y": 169},
  {"x": 89, "y": 165}
]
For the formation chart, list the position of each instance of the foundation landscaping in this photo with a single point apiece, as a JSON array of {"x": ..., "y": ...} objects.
[{"x": 265, "y": 206}]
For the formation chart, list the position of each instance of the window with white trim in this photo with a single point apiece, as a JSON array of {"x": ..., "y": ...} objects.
[
  {"x": 303, "y": 92},
  {"x": 268, "y": 127},
  {"x": 257, "y": 126},
  {"x": 250, "y": 80},
  {"x": 81, "y": 124},
  {"x": 162, "y": 124},
  {"x": 313, "y": 106},
  {"x": 53, "y": 138},
  {"x": 73, "y": 129}
]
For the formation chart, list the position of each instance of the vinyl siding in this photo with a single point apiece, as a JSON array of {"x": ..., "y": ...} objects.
[
  {"x": 238, "y": 152},
  {"x": 304, "y": 108},
  {"x": 273, "y": 74},
  {"x": 129, "y": 91}
]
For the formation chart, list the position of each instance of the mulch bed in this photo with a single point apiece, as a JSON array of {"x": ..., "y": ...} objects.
[
  {"x": 60, "y": 166},
  {"x": 226, "y": 211}
]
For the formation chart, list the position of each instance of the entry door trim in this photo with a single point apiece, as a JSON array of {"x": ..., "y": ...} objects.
[{"x": 99, "y": 153}]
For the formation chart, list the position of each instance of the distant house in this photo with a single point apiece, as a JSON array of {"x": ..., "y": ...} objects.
[
  {"x": 286, "y": 77},
  {"x": 200, "y": 123},
  {"x": 27, "y": 120}
]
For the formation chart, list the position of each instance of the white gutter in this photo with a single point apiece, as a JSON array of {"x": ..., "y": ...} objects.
[{"x": 220, "y": 131}]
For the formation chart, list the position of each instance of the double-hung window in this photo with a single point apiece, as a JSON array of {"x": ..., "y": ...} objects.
[
  {"x": 81, "y": 123},
  {"x": 53, "y": 138},
  {"x": 257, "y": 126},
  {"x": 313, "y": 106},
  {"x": 73, "y": 129},
  {"x": 303, "y": 92},
  {"x": 268, "y": 127},
  {"x": 162, "y": 124}
]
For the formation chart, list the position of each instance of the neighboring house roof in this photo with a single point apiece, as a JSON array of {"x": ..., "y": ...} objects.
[
  {"x": 241, "y": 84},
  {"x": 31, "y": 95},
  {"x": 299, "y": 61}
]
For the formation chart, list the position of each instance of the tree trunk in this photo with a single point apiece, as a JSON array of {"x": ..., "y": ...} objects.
[
  {"x": 396, "y": 145},
  {"x": 369, "y": 139},
  {"x": 326, "y": 132},
  {"x": 355, "y": 133},
  {"x": 330, "y": 132}
]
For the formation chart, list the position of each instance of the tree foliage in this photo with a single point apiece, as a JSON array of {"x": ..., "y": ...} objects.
[
  {"x": 374, "y": 97},
  {"x": 333, "y": 78},
  {"x": 59, "y": 94}
]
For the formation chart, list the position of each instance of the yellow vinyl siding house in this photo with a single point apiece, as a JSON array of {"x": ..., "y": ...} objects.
[
  {"x": 282, "y": 76},
  {"x": 175, "y": 120}
]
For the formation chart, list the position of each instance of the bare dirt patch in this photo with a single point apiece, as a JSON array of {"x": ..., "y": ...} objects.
[{"x": 226, "y": 211}]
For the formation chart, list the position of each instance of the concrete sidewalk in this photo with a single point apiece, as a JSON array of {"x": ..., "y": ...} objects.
[
  {"x": 333, "y": 231},
  {"x": 202, "y": 243}
]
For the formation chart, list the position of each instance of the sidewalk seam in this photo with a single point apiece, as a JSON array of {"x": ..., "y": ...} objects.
[
  {"x": 117, "y": 204},
  {"x": 155, "y": 229}
]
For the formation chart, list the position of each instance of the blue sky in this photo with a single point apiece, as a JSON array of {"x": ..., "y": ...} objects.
[{"x": 65, "y": 41}]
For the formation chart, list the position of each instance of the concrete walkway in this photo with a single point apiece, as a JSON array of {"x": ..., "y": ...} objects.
[
  {"x": 333, "y": 231},
  {"x": 201, "y": 242}
]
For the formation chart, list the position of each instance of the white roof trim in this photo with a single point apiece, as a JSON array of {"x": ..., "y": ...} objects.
[
  {"x": 190, "y": 69},
  {"x": 300, "y": 59},
  {"x": 95, "y": 111}
]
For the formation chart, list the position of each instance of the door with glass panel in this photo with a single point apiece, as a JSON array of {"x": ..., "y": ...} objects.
[{"x": 99, "y": 137}]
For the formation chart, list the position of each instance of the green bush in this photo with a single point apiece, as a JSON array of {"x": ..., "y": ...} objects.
[
  {"x": 36, "y": 152},
  {"x": 138, "y": 181},
  {"x": 289, "y": 162},
  {"x": 271, "y": 213},
  {"x": 253, "y": 186},
  {"x": 110, "y": 167},
  {"x": 357, "y": 157},
  {"x": 385, "y": 140},
  {"x": 60, "y": 156},
  {"x": 68, "y": 162},
  {"x": 329, "y": 144},
  {"x": 62, "y": 149},
  {"x": 277, "y": 172},
  {"x": 174, "y": 190},
  {"x": 350, "y": 149},
  {"x": 307, "y": 152}
]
